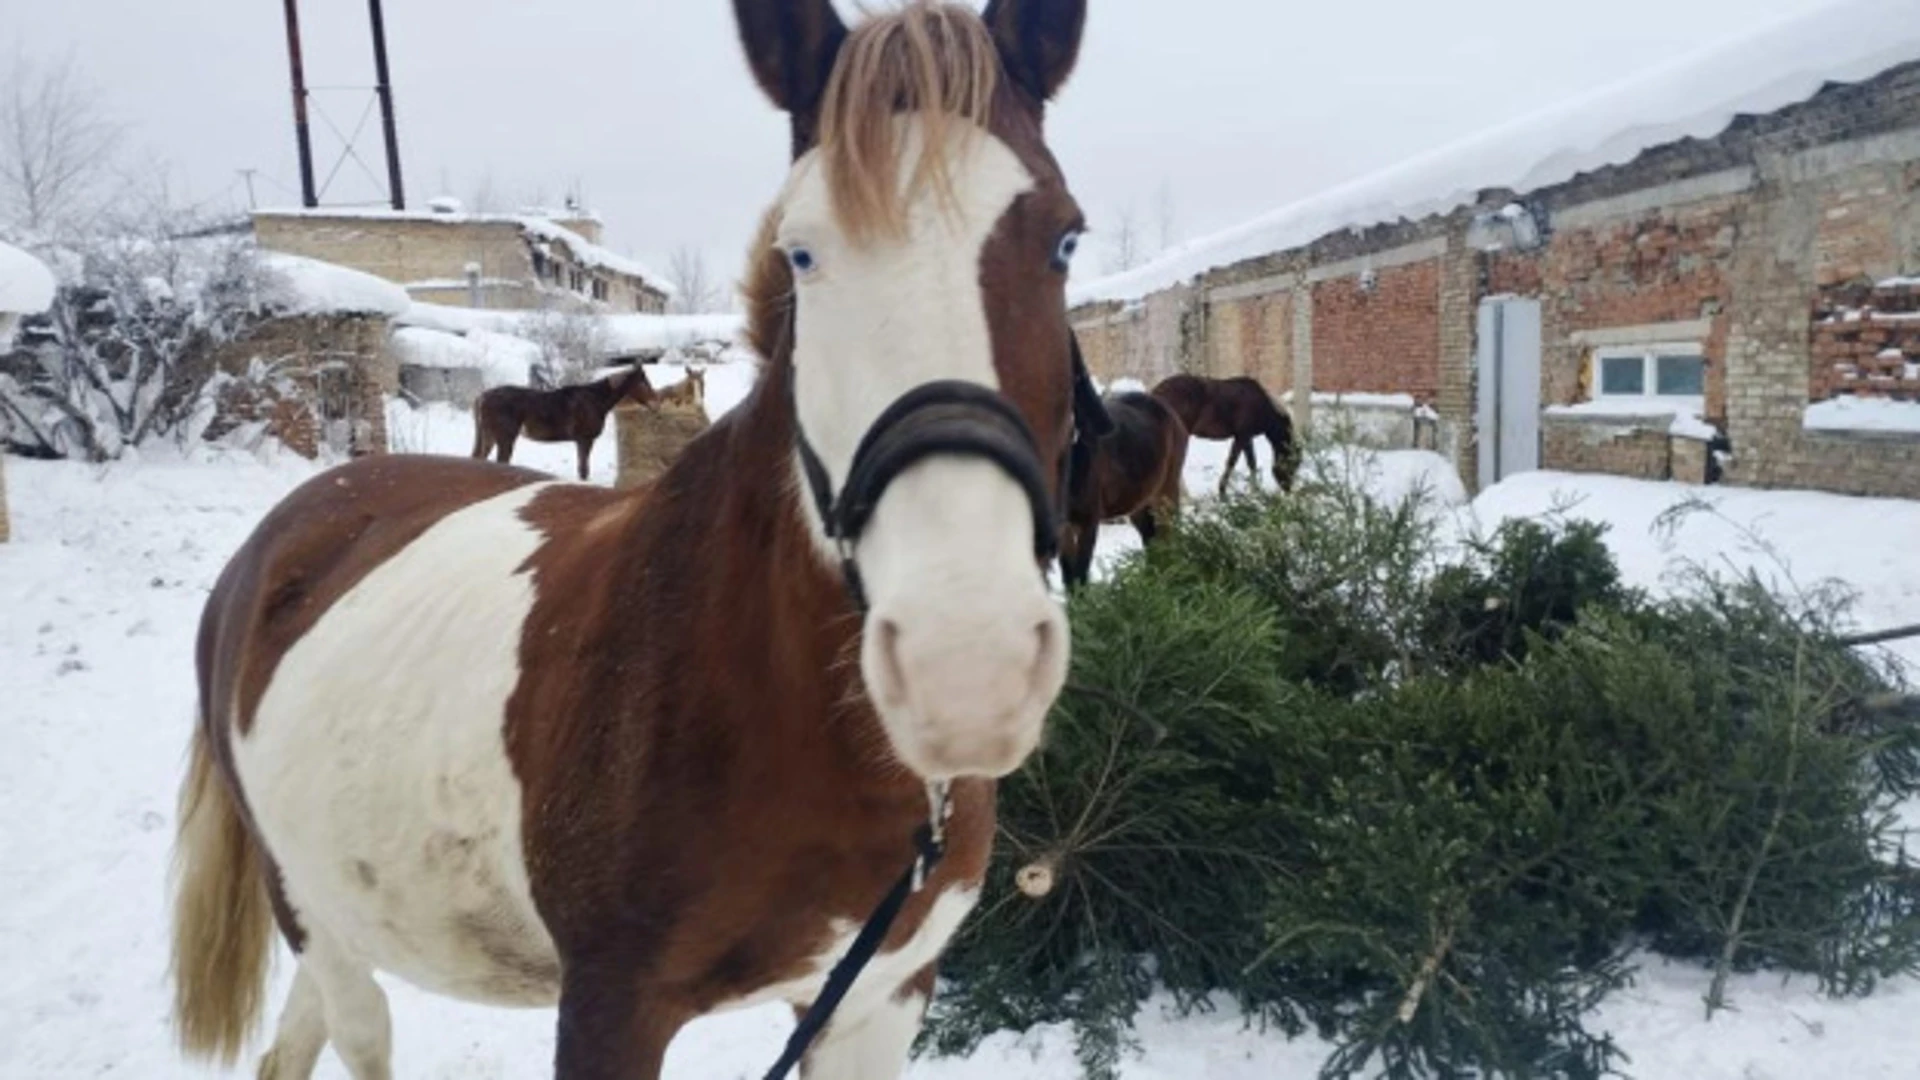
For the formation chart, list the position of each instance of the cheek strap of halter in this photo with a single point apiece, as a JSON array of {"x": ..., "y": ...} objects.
[{"x": 946, "y": 418}]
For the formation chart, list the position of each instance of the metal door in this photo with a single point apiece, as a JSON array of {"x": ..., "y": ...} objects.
[{"x": 1509, "y": 407}]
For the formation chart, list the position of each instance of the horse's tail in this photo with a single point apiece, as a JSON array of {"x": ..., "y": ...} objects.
[{"x": 222, "y": 917}]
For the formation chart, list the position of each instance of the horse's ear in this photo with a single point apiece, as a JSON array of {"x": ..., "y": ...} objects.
[
  {"x": 791, "y": 46},
  {"x": 1039, "y": 40}
]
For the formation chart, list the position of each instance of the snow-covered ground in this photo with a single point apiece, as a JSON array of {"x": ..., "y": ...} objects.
[{"x": 99, "y": 595}]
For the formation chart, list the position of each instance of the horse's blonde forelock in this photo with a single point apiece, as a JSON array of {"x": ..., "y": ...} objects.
[{"x": 935, "y": 60}]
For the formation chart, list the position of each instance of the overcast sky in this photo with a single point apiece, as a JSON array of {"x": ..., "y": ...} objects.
[{"x": 1231, "y": 106}]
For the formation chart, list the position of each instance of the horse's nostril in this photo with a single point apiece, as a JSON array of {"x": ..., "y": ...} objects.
[
  {"x": 1049, "y": 640},
  {"x": 893, "y": 676}
]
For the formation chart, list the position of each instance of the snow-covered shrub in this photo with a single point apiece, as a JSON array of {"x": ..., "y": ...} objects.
[
  {"x": 571, "y": 343},
  {"x": 126, "y": 352}
]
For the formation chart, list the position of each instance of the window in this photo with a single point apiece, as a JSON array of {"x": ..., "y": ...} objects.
[{"x": 1651, "y": 371}]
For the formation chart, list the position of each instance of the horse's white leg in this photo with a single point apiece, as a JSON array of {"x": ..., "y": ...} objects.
[
  {"x": 302, "y": 1033},
  {"x": 355, "y": 1009},
  {"x": 870, "y": 1047}
]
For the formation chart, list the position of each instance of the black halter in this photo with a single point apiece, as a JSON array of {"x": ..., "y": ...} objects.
[{"x": 953, "y": 418}]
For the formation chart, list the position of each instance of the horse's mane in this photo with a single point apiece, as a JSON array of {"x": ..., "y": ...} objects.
[
  {"x": 936, "y": 60},
  {"x": 933, "y": 59}
]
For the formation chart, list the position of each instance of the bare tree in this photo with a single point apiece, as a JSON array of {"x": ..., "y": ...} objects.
[
  {"x": 693, "y": 288},
  {"x": 1123, "y": 243},
  {"x": 1164, "y": 216},
  {"x": 484, "y": 197},
  {"x": 56, "y": 146},
  {"x": 572, "y": 342}
]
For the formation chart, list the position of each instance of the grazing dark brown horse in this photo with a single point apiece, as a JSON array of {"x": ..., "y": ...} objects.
[
  {"x": 643, "y": 753},
  {"x": 1237, "y": 409},
  {"x": 575, "y": 414},
  {"x": 1133, "y": 473}
]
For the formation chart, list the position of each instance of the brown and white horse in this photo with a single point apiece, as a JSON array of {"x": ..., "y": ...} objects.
[{"x": 639, "y": 753}]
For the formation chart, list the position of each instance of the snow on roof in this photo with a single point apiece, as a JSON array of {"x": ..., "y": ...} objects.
[
  {"x": 311, "y": 287},
  {"x": 536, "y": 225},
  {"x": 501, "y": 359},
  {"x": 625, "y": 334},
  {"x": 26, "y": 285},
  {"x": 1698, "y": 95},
  {"x": 660, "y": 333}
]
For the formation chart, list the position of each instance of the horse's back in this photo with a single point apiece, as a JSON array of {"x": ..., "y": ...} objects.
[
  {"x": 1147, "y": 445},
  {"x": 357, "y": 659}
]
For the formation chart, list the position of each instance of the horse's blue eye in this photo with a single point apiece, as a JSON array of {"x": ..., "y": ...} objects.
[
  {"x": 802, "y": 260},
  {"x": 1063, "y": 254}
]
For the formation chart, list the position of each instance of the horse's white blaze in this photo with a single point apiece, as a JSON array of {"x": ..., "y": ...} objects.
[
  {"x": 377, "y": 770},
  {"x": 964, "y": 648}
]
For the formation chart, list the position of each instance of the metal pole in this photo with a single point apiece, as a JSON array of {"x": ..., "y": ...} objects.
[
  {"x": 300, "y": 133},
  {"x": 384, "y": 87}
]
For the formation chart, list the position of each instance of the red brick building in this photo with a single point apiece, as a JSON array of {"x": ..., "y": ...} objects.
[{"x": 1753, "y": 288}]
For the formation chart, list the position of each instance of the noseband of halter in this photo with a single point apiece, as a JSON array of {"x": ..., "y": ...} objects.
[{"x": 949, "y": 418}]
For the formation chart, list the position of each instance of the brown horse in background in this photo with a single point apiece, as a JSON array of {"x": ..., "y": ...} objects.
[
  {"x": 1237, "y": 409},
  {"x": 1133, "y": 473},
  {"x": 651, "y": 754},
  {"x": 575, "y": 414}
]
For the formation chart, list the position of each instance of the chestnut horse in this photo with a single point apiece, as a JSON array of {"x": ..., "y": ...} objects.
[
  {"x": 575, "y": 414},
  {"x": 1237, "y": 409},
  {"x": 649, "y": 754},
  {"x": 1132, "y": 473},
  {"x": 690, "y": 392}
]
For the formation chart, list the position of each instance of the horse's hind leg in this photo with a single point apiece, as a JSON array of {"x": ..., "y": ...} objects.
[
  {"x": 1145, "y": 524},
  {"x": 507, "y": 440},
  {"x": 352, "y": 1006},
  {"x": 1233, "y": 458},
  {"x": 302, "y": 1033},
  {"x": 586, "y": 450}
]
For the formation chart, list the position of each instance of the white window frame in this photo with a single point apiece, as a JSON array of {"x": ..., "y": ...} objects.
[{"x": 1649, "y": 356}]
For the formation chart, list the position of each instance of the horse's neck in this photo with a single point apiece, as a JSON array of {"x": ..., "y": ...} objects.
[
  {"x": 605, "y": 394},
  {"x": 724, "y": 525}
]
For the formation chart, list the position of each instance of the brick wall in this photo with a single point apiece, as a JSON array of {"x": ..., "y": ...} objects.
[
  {"x": 1730, "y": 242},
  {"x": 408, "y": 251},
  {"x": 1252, "y": 336},
  {"x": 402, "y": 250},
  {"x": 336, "y": 368},
  {"x": 1793, "y": 240},
  {"x": 1663, "y": 266},
  {"x": 1866, "y": 342},
  {"x": 1384, "y": 340},
  {"x": 1569, "y": 445}
]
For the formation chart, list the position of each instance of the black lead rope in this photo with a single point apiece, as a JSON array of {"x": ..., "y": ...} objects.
[{"x": 929, "y": 848}]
